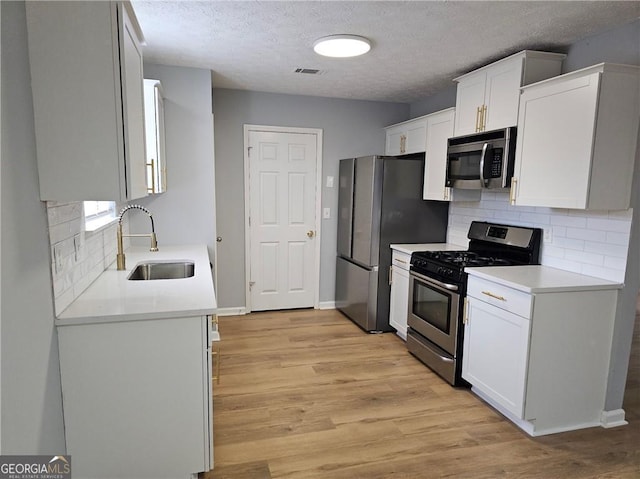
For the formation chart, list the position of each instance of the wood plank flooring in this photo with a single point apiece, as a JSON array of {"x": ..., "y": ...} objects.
[{"x": 307, "y": 394}]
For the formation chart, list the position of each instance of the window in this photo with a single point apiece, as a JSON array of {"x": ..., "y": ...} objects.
[{"x": 98, "y": 214}]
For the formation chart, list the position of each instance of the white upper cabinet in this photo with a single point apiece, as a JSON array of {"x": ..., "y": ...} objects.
[
  {"x": 487, "y": 98},
  {"x": 577, "y": 137},
  {"x": 406, "y": 137},
  {"x": 86, "y": 75},
  {"x": 439, "y": 130},
  {"x": 154, "y": 134}
]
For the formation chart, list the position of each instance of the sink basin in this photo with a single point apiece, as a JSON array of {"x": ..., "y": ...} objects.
[{"x": 163, "y": 270}]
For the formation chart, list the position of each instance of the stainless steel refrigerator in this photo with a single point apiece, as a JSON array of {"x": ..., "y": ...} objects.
[{"x": 379, "y": 203}]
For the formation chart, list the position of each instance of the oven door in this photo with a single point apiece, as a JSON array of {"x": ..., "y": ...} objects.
[{"x": 433, "y": 311}]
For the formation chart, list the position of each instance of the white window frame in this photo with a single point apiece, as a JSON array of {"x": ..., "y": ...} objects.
[{"x": 98, "y": 214}]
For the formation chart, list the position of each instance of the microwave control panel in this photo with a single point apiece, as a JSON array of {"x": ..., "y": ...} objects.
[{"x": 496, "y": 163}]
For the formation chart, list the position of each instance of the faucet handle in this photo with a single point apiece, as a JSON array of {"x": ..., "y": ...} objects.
[{"x": 154, "y": 242}]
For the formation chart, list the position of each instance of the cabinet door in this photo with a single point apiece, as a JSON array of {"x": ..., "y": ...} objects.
[
  {"x": 399, "y": 301},
  {"x": 502, "y": 93},
  {"x": 469, "y": 97},
  {"x": 416, "y": 137},
  {"x": 155, "y": 138},
  {"x": 494, "y": 360},
  {"x": 133, "y": 108},
  {"x": 395, "y": 141},
  {"x": 554, "y": 144},
  {"x": 439, "y": 129},
  {"x": 157, "y": 378},
  {"x": 86, "y": 79}
]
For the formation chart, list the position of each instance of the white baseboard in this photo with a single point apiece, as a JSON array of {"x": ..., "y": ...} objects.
[
  {"x": 613, "y": 418},
  {"x": 327, "y": 305},
  {"x": 237, "y": 311}
]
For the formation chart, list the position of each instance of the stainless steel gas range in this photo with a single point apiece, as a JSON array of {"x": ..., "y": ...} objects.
[{"x": 438, "y": 286}]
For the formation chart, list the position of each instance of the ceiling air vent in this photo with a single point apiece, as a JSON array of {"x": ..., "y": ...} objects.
[{"x": 308, "y": 71}]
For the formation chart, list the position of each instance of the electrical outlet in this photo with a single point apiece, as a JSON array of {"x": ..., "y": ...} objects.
[
  {"x": 547, "y": 235},
  {"x": 57, "y": 258},
  {"x": 329, "y": 181},
  {"x": 76, "y": 247}
]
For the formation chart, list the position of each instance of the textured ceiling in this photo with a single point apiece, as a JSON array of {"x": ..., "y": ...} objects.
[{"x": 417, "y": 46}]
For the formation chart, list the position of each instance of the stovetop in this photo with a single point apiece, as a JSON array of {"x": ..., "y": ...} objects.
[
  {"x": 450, "y": 265},
  {"x": 490, "y": 245}
]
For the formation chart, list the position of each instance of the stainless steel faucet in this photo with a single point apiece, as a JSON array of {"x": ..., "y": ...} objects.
[{"x": 120, "y": 258}]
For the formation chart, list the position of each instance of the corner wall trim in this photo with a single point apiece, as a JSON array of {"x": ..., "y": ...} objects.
[
  {"x": 327, "y": 305},
  {"x": 613, "y": 418}
]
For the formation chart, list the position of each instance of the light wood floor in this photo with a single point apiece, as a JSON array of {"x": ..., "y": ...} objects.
[{"x": 307, "y": 394}]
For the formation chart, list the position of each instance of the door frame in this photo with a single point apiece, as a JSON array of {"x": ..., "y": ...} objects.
[{"x": 247, "y": 204}]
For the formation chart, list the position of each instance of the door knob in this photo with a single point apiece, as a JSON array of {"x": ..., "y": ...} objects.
[
  {"x": 219, "y": 239},
  {"x": 311, "y": 233}
]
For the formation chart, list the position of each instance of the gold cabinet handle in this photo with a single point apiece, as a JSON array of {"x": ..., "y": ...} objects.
[
  {"x": 215, "y": 359},
  {"x": 478, "y": 119},
  {"x": 153, "y": 176},
  {"x": 400, "y": 261},
  {"x": 495, "y": 296},
  {"x": 483, "y": 118},
  {"x": 465, "y": 312},
  {"x": 512, "y": 192}
]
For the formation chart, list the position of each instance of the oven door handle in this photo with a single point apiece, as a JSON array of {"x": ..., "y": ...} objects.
[{"x": 450, "y": 287}]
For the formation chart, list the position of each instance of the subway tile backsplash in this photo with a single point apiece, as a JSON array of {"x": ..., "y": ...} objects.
[
  {"x": 77, "y": 256},
  {"x": 594, "y": 243}
]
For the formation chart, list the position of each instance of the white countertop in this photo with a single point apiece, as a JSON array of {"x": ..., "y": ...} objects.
[
  {"x": 112, "y": 297},
  {"x": 541, "y": 279},
  {"x": 412, "y": 248}
]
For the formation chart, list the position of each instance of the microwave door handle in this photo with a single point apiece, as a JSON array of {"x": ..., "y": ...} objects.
[{"x": 483, "y": 182}]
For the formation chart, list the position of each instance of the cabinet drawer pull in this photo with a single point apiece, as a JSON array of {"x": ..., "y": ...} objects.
[
  {"x": 400, "y": 261},
  {"x": 495, "y": 296}
]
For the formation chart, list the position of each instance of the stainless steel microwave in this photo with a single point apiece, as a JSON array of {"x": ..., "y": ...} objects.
[{"x": 481, "y": 160}]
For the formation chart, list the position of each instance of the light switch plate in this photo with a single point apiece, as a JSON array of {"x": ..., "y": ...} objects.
[
  {"x": 329, "y": 181},
  {"x": 326, "y": 213}
]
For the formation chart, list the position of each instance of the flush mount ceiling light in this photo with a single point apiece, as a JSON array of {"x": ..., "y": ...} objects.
[{"x": 341, "y": 46}]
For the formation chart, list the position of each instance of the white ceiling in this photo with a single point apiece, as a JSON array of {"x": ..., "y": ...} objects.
[{"x": 417, "y": 46}]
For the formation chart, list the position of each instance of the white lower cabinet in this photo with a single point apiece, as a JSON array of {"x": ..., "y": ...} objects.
[
  {"x": 137, "y": 397},
  {"x": 541, "y": 359},
  {"x": 399, "y": 301},
  {"x": 495, "y": 354}
]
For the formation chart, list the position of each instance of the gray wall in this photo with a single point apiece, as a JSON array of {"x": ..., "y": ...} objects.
[
  {"x": 185, "y": 213},
  {"x": 443, "y": 99},
  {"x": 31, "y": 395},
  {"x": 350, "y": 128}
]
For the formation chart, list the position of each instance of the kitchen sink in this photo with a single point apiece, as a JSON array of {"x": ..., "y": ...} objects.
[{"x": 163, "y": 270}]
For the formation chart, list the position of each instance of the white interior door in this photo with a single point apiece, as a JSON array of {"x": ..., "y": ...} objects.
[{"x": 283, "y": 271}]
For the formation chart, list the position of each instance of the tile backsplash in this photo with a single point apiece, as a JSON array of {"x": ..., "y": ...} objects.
[
  {"x": 77, "y": 256},
  {"x": 594, "y": 243}
]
